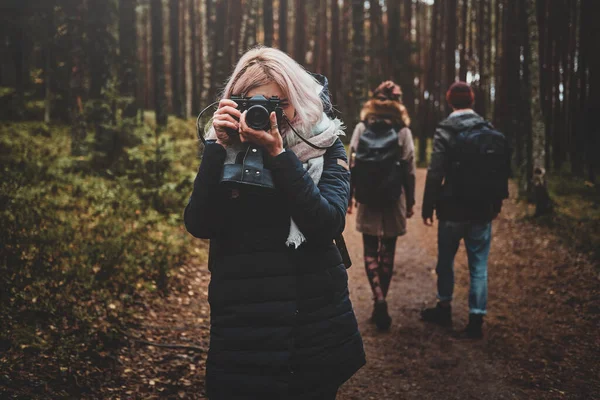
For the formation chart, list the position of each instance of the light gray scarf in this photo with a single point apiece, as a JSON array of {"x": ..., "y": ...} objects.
[{"x": 324, "y": 134}]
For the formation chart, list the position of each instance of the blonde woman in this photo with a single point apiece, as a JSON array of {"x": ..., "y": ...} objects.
[
  {"x": 282, "y": 325},
  {"x": 383, "y": 210}
]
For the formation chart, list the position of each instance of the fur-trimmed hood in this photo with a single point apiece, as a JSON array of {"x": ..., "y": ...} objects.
[{"x": 392, "y": 109}]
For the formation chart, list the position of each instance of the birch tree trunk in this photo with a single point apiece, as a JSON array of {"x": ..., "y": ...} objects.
[{"x": 538, "y": 136}]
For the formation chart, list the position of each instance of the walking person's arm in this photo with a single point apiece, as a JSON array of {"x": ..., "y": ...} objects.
[
  {"x": 409, "y": 181},
  {"x": 435, "y": 175}
]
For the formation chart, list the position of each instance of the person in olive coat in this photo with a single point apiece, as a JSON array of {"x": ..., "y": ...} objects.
[
  {"x": 381, "y": 226},
  {"x": 282, "y": 324}
]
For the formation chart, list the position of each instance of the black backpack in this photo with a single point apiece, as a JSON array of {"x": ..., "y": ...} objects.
[
  {"x": 480, "y": 165},
  {"x": 378, "y": 172}
]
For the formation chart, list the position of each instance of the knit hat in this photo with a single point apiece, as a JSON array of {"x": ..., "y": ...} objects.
[{"x": 460, "y": 95}]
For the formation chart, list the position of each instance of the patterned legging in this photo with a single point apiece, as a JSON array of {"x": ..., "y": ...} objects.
[{"x": 379, "y": 263}]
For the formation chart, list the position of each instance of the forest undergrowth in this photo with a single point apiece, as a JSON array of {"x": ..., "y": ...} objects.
[{"x": 80, "y": 246}]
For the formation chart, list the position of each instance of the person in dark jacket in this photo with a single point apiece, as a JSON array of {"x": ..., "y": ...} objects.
[
  {"x": 282, "y": 324},
  {"x": 381, "y": 226},
  {"x": 457, "y": 220}
]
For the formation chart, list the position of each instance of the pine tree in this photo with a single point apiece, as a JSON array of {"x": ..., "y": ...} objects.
[
  {"x": 358, "y": 58},
  {"x": 300, "y": 32},
  {"x": 128, "y": 56},
  {"x": 158, "y": 63},
  {"x": 537, "y": 130},
  {"x": 268, "y": 23}
]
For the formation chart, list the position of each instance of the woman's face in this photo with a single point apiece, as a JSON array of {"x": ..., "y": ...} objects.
[{"x": 273, "y": 89}]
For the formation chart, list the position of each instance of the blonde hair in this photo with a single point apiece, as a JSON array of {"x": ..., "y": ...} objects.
[{"x": 262, "y": 65}]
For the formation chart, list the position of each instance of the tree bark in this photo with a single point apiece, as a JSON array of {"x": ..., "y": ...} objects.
[
  {"x": 358, "y": 57},
  {"x": 536, "y": 156},
  {"x": 593, "y": 103},
  {"x": 336, "y": 70},
  {"x": 176, "y": 78},
  {"x": 300, "y": 33},
  {"x": 268, "y": 23},
  {"x": 451, "y": 42},
  {"x": 128, "y": 54},
  {"x": 283, "y": 25},
  {"x": 194, "y": 53},
  {"x": 158, "y": 62},
  {"x": 377, "y": 41},
  {"x": 463, "y": 37}
]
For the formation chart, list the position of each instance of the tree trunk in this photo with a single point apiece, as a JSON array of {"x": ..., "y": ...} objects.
[
  {"x": 323, "y": 55},
  {"x": 128, "y": 56},
  {"x": 158, "y": 62},
  {"x": 219, "y": 67},
  {"x": 463, "y": 37},
  {"x": 300, "y": 33},
  {"x": 593, "y": 103},
  {"x": 185, "y": 57},
  {"x": 393, "y": 36},
  {"x": 283, "y": 25},
  {"x": 76, "y": 79},
  {"x": 194, "y": 62},
  {"x": 176, "y": 78},
  {"x": 481, "y": 103},
  {"x": 429, "y": 115},
  {"x": 48, "y": 63},
  {"x": 451, "y": 42},
  {"x": 146, "y": 60},
  {"x": 250, "y": 37},
  {"x": 408, "y": 15},
  {"x": 208, "y": 47},
  {"x": 536, "y": 154},
  {"x": 358, "y": 58},
  {"x": 336, "y": 70},
  {"x": 345, "y": 98},
  {"x": 581, "y": 150},
  {"x": 268, "y": 23},
  {"x": 101, "y": 53},
  {"x": 376, "y": 43}
]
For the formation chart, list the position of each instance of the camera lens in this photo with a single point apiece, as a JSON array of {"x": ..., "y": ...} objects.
[{"x": 258, "y": 118}]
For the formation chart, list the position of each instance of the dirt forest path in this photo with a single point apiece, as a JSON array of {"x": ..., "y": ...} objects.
[{"x": 541, "y": 335}]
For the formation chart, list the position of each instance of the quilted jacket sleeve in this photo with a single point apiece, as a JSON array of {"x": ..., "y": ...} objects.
[
  {"x": 200, "y": 216},
  {"x": 318, "y": 210}
]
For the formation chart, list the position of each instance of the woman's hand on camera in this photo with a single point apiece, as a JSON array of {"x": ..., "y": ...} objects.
[
  {"x": 271, "y": 140},
  {"x": 226, "y": 117}
]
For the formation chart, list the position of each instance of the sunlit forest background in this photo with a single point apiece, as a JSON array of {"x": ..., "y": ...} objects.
[{"x": 98, "y": 148}]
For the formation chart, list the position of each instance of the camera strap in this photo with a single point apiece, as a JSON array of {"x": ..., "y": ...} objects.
[{"x": 314, "y": 146}]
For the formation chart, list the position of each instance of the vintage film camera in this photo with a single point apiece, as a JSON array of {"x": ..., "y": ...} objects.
[{"x": 259, "y": 109}]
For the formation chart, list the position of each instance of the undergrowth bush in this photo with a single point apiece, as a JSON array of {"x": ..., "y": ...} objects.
[{"x": 78, "y": 245}]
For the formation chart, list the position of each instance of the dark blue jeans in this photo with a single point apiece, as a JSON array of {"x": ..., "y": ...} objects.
[{"x": 477, "y": 237}]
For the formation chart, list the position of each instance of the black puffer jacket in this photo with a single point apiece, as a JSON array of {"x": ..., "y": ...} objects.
[
  {"x": 438, "y": 187},
  {"x": 281, "y": 319}
]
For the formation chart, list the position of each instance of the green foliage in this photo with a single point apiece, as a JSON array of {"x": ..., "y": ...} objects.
[
  {"x": 78, "y": 245},
  {"x": 576, "y": 215}
]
